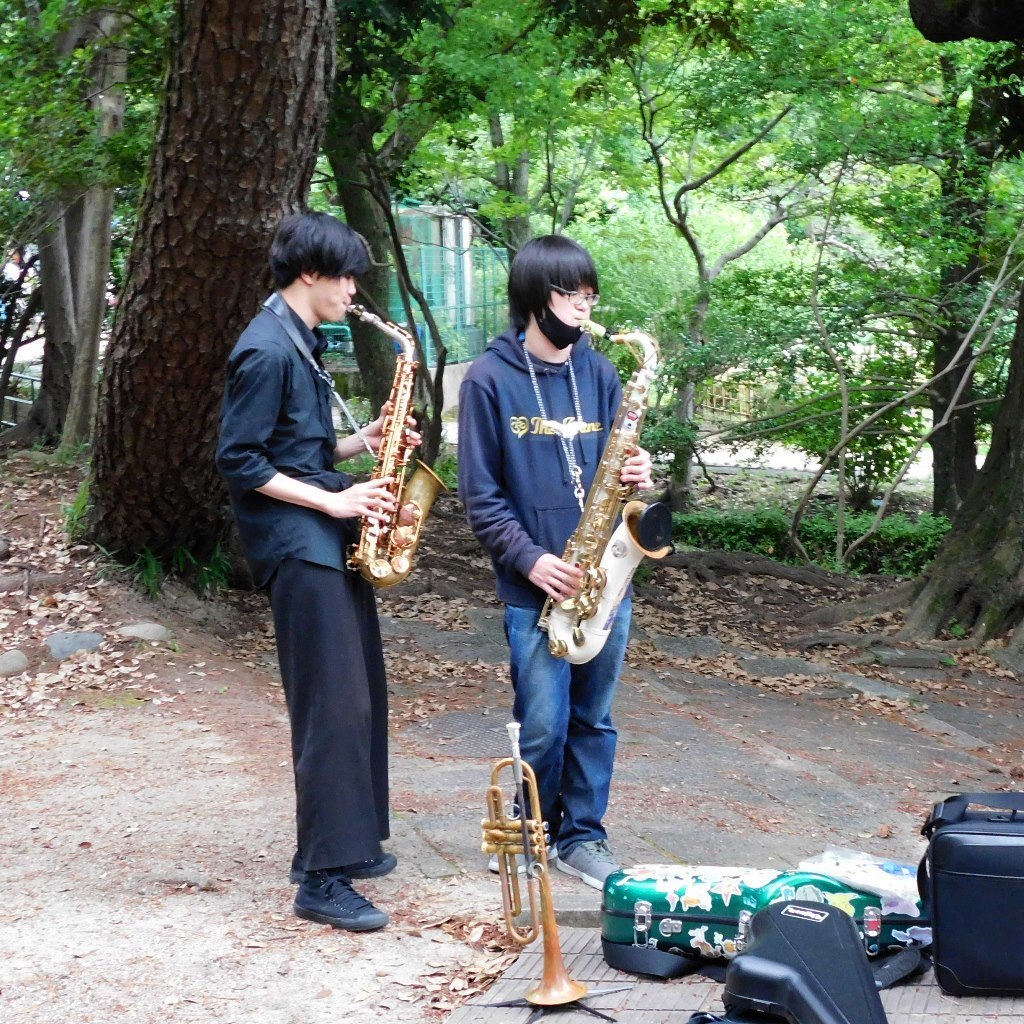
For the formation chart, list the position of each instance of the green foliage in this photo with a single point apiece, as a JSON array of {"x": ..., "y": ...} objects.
[
  {"x": 667, "y": 437},
  {"x": 902, "y": 546},
  {"x": 361, "y": 465},
  {"x": 75, "y": 514},
  {"x": 804, "y": 412},
  {"x": 73, "y": 455},
  {"x": 208, "y": 578},
  {"x": 50, "y": 145},
  {"x": 447, "y": 468},
  {"x": 644, "y": 572},
  {"x": 147, "y": 573}
]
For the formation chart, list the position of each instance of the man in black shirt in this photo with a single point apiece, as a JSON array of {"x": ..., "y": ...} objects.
[{"x": 297, "y": 516}]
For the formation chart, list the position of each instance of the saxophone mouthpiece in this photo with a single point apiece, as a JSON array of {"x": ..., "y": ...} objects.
[{"x": 593, "y": 328}]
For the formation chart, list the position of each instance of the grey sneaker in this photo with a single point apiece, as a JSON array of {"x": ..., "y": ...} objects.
[
  {"x": 592, "y": 861},
  {"x": 492, "y": 864}
]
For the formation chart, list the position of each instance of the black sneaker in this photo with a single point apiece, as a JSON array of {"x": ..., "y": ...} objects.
[
  {"x": 328, "y": 898},
  {"x": 376, "y": 867}
]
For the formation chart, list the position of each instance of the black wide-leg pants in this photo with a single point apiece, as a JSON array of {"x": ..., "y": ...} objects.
[{"x": 332, "y": 667}]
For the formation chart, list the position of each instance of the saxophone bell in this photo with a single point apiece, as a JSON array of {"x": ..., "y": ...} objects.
[
  {"x": 385, "y": 552},
  {"x": 608, "y": 554}
]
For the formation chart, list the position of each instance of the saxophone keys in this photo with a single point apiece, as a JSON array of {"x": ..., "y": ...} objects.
[
  {"x": 401, "y": 564},
  {"x": 379, "y": 568},
  {"x": 578, "y": 636}
]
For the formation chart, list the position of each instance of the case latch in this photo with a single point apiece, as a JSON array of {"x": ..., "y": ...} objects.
[
  {"x": 872, "y": 928},
  {"x": 642, "y": 923}
]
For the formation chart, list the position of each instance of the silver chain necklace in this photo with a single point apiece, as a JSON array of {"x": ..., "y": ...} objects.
[{"x": 567, "y": 442}]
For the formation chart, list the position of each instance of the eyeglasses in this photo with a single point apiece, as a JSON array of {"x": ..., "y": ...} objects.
[{"x": 591, "y": 299}]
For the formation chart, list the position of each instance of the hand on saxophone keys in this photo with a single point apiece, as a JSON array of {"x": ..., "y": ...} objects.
[
  {"x": 372, "y": 499},
  {"x": 636, "y": 471},
  {"x": 558, "y": 579},
  {"x": 374, "y": 431}
]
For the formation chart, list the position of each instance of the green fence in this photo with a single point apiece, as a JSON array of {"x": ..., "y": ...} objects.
[
  {"x": 466, "y": 291},
  {"x": 463, "y": 281}
]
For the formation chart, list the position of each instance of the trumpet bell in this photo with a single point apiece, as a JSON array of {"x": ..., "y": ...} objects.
[{"x": 510, "y": 838}]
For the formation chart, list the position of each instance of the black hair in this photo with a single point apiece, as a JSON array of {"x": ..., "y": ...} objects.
[
  {"x": 550, "y": 260},
  {"x": 316, "y": 243}
]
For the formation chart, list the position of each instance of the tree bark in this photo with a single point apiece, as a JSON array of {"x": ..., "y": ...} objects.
[
  {"x": 977, "y": 579},
  {"x": 943, "y": 21},
  {"x": 965, "y": 198},
  {"x": 514, "y": 181},
  {"x": 239, "y": 131},
  {"x": 92, "y": 255},
  {"x": 363, "y": 213},
  {"x": 55, "y": 282}
]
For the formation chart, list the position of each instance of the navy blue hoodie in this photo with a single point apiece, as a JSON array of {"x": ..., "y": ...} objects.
[{"x": 513, "y": 475}]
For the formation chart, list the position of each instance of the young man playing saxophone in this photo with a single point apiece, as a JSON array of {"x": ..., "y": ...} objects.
[
  {"x": 535, "y": 411},
  {"x": 297, "y": 517}
]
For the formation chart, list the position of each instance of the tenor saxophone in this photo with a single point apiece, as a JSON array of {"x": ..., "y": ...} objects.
[
  {"x": 608, "y": 555},
  {"x": 386, "y": 548}
]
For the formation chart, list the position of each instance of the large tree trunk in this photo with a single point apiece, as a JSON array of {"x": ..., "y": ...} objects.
[
  {"x": 977, "y": 578},
  {"x": 235, "y": 150},
  {"x": 954, "y": 447}
]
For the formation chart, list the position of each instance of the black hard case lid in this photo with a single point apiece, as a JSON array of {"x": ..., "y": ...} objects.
[{"x": 804, "y": 962}]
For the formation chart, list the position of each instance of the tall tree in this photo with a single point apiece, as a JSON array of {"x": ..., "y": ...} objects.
[
  {"x": 241, "y": 121},
  {"x": 76, "y": 56},
  {"x": 977, "y": 579},
  {"x": 89, "y": 259}
]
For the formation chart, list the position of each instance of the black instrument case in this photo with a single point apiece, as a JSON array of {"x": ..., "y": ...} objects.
[
  {"x": 805, "y": 963},
  {"x": 972, "y": 877}
]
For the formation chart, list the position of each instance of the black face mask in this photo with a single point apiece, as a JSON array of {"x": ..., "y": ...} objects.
[{"x": 556, "y": 330}]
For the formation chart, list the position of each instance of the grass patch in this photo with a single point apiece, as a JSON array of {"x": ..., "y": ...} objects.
[{"x": 902, "y": 546}]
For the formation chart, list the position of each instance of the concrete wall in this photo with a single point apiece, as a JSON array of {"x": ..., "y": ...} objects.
[{"x": 453, "y": 374}]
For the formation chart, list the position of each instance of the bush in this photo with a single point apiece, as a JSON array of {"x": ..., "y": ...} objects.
[{"x": 901, "y": 546}]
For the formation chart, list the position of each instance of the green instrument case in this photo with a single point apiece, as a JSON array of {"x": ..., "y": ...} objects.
[{"x": 658, "y": 918}]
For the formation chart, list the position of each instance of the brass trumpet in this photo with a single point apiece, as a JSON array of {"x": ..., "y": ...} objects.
[{"x": 509, "y": 838}]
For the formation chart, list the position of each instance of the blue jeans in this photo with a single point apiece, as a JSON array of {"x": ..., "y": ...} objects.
[{"x": 567, "y": 734}]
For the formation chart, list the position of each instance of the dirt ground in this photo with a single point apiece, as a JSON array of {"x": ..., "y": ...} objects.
[
  {"x": 148, "y": 794},
  {"x": 149, "y": 815}
]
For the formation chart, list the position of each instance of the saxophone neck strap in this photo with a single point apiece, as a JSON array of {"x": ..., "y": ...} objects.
[{"x": 280, "y": 309}]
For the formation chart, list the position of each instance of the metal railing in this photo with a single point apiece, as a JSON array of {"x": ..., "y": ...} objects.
[{"x": 15, "y": 400}]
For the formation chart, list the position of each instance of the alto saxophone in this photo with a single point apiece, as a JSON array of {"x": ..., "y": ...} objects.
[
  {"x": 385, "y": 550},
  {"x": 578, "y": 627}
]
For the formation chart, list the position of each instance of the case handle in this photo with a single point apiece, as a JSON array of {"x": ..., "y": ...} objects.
[{"x": 954, "y": 808}]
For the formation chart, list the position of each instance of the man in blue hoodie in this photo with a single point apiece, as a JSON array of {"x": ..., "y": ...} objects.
[{"x": 535, "y": 412}]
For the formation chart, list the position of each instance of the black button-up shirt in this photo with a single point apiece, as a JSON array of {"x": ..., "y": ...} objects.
[{"x": 276, "y": 418}]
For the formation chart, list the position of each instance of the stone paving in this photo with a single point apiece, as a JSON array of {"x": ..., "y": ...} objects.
[
  {"x": 709, "y": 771},
  {"x": 714, "y": 771}
]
